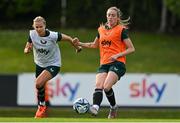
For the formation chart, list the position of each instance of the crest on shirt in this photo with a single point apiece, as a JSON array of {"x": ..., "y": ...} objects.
[{"x": 43, "y": 42}]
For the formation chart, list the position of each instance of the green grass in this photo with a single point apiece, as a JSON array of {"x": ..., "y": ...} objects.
[
  {"x": 68, "y": 115},
  {"x": 86, "y": 120},
  {"x": 155, "y": 53}
]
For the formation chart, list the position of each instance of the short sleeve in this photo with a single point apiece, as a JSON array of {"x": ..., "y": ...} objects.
[
  {"x": 59, "y": 36},
  {"x": 29, "y": 39},
  {"x": 98, "y": 36},
  {"x": 124, "y": 34}
]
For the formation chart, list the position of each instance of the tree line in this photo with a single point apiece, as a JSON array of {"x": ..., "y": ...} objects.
[{"x": 147, "y": 15}]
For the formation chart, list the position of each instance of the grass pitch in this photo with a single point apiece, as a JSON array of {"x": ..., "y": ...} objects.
[
  {"x": 76, "y": 120},
  {"x": 155, "y": 53},
  {"x": 59, "y": 114}
]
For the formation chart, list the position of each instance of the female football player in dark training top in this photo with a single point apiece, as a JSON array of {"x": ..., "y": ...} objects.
[
  {"x": 114, "y": 44},
  {"x": 47, "y": 57}
]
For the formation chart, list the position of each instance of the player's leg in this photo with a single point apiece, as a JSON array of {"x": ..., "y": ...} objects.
[
  {"x": 111, "y": 79},
  {"x": 38, "y": 72},
  {"x": 45, "y": 92},
  {"x": 41, "y": 81},
  {"x": 98, "y": 93},
  {"x": 116, "y": 70},
  {"x": 40, "y": 86}
]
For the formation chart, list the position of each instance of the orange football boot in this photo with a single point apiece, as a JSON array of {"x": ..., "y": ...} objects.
[{"x": 41, "y": 112}]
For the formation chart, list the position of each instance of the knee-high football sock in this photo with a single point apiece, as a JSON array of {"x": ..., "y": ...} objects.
[
  {"x": 110, "y": 96},
  {"x": 41, "y": 96},
  {"x": 97, "y": 97}
]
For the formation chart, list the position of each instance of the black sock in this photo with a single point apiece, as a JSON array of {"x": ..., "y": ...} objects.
[
  {"x": 110, "y": 96},
  {"x": 97, "y": 97},
  {"x": 41, "y": 95}
]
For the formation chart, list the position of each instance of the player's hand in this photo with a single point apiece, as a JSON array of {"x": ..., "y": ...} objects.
[
  {"x": 76, "y": 45},
  {"x": 28, "y": 48},
  {"x": 113, "y": 58},
  {"x": 75, "y": 41}
]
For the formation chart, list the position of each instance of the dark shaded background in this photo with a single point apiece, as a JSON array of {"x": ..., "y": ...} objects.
[{"x": 146, "y": 15}]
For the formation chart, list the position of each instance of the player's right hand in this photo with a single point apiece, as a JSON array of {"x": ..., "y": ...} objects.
[{"x": 28, "y": 48}]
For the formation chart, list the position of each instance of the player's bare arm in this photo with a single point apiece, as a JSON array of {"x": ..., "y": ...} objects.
[
  {"x": 28, "y": 48},
  {"x": 129, "y": 46},
  {"x": 70, "y": 40},
  {"x": 94, "y": 44},
  {"x": 130, "y": 49}
]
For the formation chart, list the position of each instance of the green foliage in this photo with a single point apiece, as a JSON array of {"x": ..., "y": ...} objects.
[
  {"x": 12, "y": 8},
  {"x": 87, "y": 13},
  {"x": 173, "y": 6},
  {"x": 26, "y": 6}
]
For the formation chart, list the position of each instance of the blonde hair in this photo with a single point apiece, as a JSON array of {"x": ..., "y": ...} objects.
[
  {"x": 124, "y": 22},
  {"x": 39, "y": 19}
]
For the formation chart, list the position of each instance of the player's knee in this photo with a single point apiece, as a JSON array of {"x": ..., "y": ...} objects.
[{"x": 38, "y": 84}]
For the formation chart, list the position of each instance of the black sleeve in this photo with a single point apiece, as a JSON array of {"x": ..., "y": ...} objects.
[
  {"x": 59, "y": 36},
  {"x": 29, "y": 39},
  {"x": 124, "y": 34},
  {"x": 98, "y": 36}
]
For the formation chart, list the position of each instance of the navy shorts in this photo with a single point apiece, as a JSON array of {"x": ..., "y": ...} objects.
[
  {"x": 54, "y": 70},
  {"x": 118, "y": 67}
]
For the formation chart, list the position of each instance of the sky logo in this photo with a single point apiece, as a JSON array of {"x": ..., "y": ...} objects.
[
  {"x": 143, "y": 90},
  {"x": 68, "y": 90}
]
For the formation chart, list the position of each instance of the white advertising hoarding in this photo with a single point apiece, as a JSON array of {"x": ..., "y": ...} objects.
[{"x": 131, "y": 90}]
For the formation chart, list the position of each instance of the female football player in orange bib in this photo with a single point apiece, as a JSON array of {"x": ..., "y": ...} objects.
[{"x": 114, "y": 44}]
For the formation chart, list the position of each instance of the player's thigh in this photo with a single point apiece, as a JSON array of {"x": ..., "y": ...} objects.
[
  {"x": 43, "y": 78},
  {"x": 100, "y": 78},
  {"x": 110, "y": 80}
]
